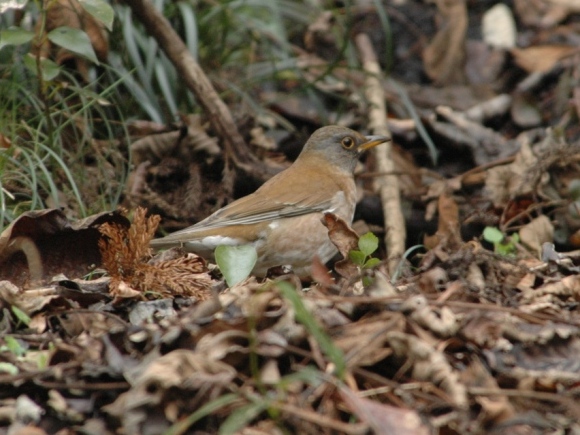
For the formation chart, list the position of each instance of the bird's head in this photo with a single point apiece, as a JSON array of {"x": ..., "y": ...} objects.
[{"x": 340, "y": 146}]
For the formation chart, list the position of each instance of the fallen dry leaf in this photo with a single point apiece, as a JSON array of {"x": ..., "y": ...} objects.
[
  {"x": 444, "y": 57},
  {"x": 345, "y": 240},
  {"x": 428, "y": 363},
  {"x": 448, "y": 231},
  {"x": 537, "y": 232},
  {"x": 499, "y": 27},
  {"x": 542, "y": 58},
  {"x": 384, "y": 418}
]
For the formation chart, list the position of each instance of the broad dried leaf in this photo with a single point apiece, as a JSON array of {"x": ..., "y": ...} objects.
[
  {"x": 544, "y": 13},
  {"x": 537, "y": 232},
  {"x": 444, "y": 57},
  {"x": 30, "y": 302},
  {"x": 496, "y": 408},
  {"x": 40, "y": 244},
  {"x": 353, "y": 338},
  {"x": 448, "y": 235},
  {"x": 499, "y": 27},
  {"x": 552, "y": 364},
  {"x": 508, "y": 181},
  {"x": 192, "y": 138},
  {"x": 542, "y": 58},
  {"x": 383, "y": 418},
  {"x": 157, "y": 381},
  {"x": 345, "y": 240},
  {"x": 430, "y": 364}
]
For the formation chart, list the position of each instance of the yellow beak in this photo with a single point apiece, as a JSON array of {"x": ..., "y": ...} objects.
[{"x": 373, "y": 141}]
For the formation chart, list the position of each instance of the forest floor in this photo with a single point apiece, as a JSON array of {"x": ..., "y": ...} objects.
[{"x": 471, "y": 328}]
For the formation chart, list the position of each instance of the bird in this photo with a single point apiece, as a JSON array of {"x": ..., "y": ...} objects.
[{"x": 282, "y": 219}]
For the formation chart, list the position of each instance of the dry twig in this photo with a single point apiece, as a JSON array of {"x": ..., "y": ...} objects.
[
  {"x": 195, "y": 79},
  {"x": 388, "y": 185}
]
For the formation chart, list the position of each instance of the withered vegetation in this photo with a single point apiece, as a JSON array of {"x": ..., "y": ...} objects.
[{"x": 125, "y": 256}]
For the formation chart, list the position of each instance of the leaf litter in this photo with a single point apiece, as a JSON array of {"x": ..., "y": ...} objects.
[{"x": 99, "y": 336}]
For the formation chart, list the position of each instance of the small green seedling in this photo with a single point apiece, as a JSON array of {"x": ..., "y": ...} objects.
[
  {"x": 502, "y": 244},
  {"x": 14, "y": 346},
  {"x": 367, "y": 245},
  {"x": 8, "y": 368},
  {"x": 22, "y": 317}
]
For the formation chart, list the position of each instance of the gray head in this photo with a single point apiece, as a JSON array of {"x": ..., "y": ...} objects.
[{"x": 341, "y": 146}]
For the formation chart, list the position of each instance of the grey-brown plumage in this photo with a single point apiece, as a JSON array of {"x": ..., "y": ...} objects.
[{"x": 282, "y": 219}]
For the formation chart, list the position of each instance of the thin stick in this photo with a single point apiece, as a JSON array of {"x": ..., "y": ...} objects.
[
  {"x": 387, "y": 185},
  {"x": 195, "y": 79}
]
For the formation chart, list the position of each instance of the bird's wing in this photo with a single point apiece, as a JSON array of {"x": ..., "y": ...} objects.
[
  {"x": 254, "y": 209},
  {"x": 268, "y": 203},
  {"x": 249, "y": 211}
]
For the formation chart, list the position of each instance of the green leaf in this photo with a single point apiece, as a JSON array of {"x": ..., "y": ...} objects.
[
  {"x": 238, "y": 419},
  {"x": 508, "y": 245},
  {"x": 215, "y": 405},
  {"x": 236, "y": 262},
  {"x": 48, "y": 68},
  {"x": 21, "y": 315},
  {"x": 371, "y": 262},
  {"x": 505, "y": 249},
  {"x": 42, "y": 360},
  {"x": 333, "y": 353},
  {"x": 357, "y": 257},
  {"x": 368, "y": 243},
  {"x": 367, "y": 281},
  {"x": 14, "y": 346},
  {"x": 101, "y": 10},
  {"x": 15, "y": 36},
  {"x": 308, "y": 374},
  {"x": 493, "y": 235},
  {"x": 74, "y": 40},
  {"x": 9, "y": 368},
  {"x": 573, "y": 189}
]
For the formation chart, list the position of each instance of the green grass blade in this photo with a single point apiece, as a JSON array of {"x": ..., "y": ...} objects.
[
  {"x": 333, "y": 353},
  {"x": 433, "y": 151},
  {"x": 70, "y": 178},
  {"x": 207, "y": 409},
  {"x": 190, "y": 27},
  {"x": 241, "y": 417}
]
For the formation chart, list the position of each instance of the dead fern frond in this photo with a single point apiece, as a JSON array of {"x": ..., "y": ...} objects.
[
  {"x": 123, "y": 249},
  {"x": 184, "y": 276},
  {"x": 125, "y": 254}
]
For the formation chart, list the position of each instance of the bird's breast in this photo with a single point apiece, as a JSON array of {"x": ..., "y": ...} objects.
[
  {"x": 294, "y": 241},
  {"x": 342, "y": 205}
]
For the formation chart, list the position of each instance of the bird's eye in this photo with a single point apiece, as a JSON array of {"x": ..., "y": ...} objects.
[{"x": 347, "y": 142}]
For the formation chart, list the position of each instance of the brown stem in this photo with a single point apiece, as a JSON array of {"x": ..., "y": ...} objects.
[
  {"x": 195, "y": 79},
  {"x": 388, "y": 185}
]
